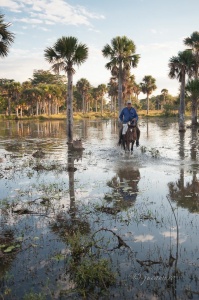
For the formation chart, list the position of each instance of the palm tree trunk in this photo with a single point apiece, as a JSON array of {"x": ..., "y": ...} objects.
[
  {"x": 182, "y": 104},
  {"x": 120, "y": 89},
  {"x": 83, "y": 103},
  {"x": 101, "y": 105},
  {"x": 147, "y": 104},
  {"x": 114, "y": 105},
  {"x": 17, "y": 112},
  {"x": 9, "y": 106},
  {"x": 70, "y": 107},
  {"x": 194, "y": 112},
  {"x": 96, "y": 105},
  {"x": 37, "y": 107}
]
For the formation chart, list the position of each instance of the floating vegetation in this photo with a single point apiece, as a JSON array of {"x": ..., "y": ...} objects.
[{"x": 38, "y": 154}]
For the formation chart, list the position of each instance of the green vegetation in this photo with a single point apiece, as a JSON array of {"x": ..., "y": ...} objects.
[
  {"x": 50, "y": 94},
  {"x": 7, "y": 37}
]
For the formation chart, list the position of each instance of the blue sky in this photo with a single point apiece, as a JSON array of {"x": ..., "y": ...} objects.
[{"x": 157, "y": 27}]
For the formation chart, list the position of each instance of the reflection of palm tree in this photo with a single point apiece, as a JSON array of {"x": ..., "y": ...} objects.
[
  {"x": 125, "y": 186},
  {"x": 67, "y": 224},
  {"x": 71, "y": 170},
  {"x": 186, "y": 195}
]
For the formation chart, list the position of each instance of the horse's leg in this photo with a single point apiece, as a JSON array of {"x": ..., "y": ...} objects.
[
  {"x": 132, "y": 145},
  {"x": 123, "y": 142},
  {"x": 128, "y": 146}
]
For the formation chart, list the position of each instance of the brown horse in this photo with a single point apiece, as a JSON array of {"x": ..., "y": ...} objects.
[{"x": 129, "y": 137}]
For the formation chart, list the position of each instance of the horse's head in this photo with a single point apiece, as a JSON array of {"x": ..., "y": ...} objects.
[{"x": 132, "y": 132}]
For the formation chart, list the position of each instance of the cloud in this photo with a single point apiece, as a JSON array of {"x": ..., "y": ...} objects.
[
  {"x": 51, "y": 11},
  {"x": 173, "y": 235},
  {"x": 11, "y": 5},
  {"x": 168, "y": 46},
  {"x": 29, "y": 21},
  {"x": 143, "y": 238},
  {"x": 154, "y": 31},
  {"x": 21, "y": 64}
]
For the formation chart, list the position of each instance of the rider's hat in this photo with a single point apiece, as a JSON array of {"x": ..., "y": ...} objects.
[{"x": 128, "y": 102}]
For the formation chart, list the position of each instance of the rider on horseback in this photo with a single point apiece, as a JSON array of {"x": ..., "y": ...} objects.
[{"x": 129, "y": 114}]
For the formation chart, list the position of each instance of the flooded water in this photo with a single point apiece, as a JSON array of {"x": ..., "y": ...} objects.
[{"x": 100, "y": 223}]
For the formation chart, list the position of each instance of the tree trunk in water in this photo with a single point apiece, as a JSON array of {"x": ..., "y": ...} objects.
[
  {"x": 194, "y": 112},
  {"x": 182, "y": 105},
  {"x": 120, "y": 89},
  {"x": 70, "y": 107}
]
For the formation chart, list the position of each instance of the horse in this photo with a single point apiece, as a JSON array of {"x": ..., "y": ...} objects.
[{"x": 130, "y": 136}]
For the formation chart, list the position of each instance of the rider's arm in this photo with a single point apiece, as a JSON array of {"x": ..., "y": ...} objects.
[
  {"x": 135, "y": 115},
  {"x": 121, "y": 115}
]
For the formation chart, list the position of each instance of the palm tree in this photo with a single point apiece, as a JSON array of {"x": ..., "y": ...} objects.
[
  {"x": 136, "y": 89},
  {"x": 6, "y": 37},
  {"x": 32, "y": 97},
  {"x": 96, "y": 96},
  {"x": 112, "y": 87},
  {"x": 83, "y": 86},
  {"x": 102, "y": 90},
  {"x": 10, "y": 90},
  {"x": 164, "y": 92},
  {"x": 129, "y": 86},
  {"x": 64, "y": 55},
  {"x": 122, "y": 57},
  {"x": 193, "y": 42},
  {"x": 192, "y": 89},
  {"x": 179, "y": 66},
  {"x": 148, "y": 86}
]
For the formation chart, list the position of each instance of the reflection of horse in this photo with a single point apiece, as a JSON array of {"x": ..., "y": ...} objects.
[{"x": 130, "y": 136}]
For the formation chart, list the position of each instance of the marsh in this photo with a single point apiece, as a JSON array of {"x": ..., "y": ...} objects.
[{"x": 67, "y": 216}]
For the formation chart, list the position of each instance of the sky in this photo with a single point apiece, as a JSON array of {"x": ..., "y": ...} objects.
[{"x": 157, "y": 28}]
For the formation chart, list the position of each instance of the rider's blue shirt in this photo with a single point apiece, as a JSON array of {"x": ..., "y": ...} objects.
[{"x": 127, "y": 115}]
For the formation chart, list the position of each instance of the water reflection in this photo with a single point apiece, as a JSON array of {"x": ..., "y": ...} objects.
[
  {"x": 124, "y": 187},
  {"x": 185, "y": 192},
  {"x": 69, "y": 223},
  {"x": 67, "y": 192},
  {"x": 37, "y": 128}
]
